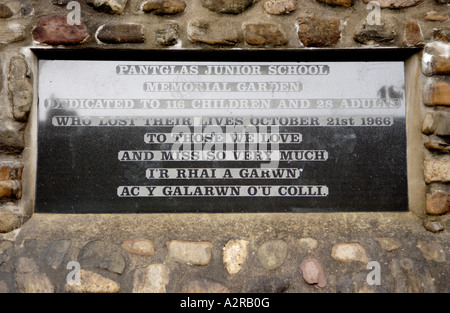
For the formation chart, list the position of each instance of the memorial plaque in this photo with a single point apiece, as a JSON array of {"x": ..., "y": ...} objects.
[{"x": 178, "y": 136}]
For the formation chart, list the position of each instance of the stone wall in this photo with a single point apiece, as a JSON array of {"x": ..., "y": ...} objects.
[{"x": 231, "y": 252}]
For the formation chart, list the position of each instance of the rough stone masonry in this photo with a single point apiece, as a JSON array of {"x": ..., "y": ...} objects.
[{"x": 225, "y": 252}]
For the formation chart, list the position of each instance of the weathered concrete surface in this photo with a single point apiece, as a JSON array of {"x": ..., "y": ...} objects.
[{"x": 110, "y": 231}]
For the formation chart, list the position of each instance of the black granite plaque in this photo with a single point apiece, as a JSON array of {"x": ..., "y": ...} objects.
[{"x": 177, "y": 136}]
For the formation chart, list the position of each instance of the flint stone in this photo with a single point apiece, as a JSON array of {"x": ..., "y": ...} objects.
[
  {"x": 8, "y": 221},
  {"x": 10, "y": 189},
  {"x": 34, "y": 283},
  {"x": 278, "y": 7},
  {"x": 190, "y": 252},
  {"x": 437, "y": 169},
  {"x": 428, "y": 125},
  {"x": 441, "y": 65},
  {"x": 436, "y": 59},
  {"x": 411, "y": 276},
  {"x": 442, "y": 125},
  {"x": 227, "y": 6},
  {"x": 114, "y": 262},
  {"x": 99, "y": 254},
  {"x": 264, "y": 34},
  {"x": 318, "y": 32},
  {"x": 413, "y": 34},
  {"x": 121, "y": 33},
  {"x": 433, "y": 226},
  {"x": 272, "y": 254},
  {"x": 347, "y": 252},
  {"x": 91, "y": 282},
  {"x": 432, "y": 251},
  {"x": 25, "y": 265},
  {"x": 307, "y": 244},
  {"x": 55, "y": 252},
  {"x": 92, "y": 252},
  {"x": 441, "y": 34},
  {"x": 29, "y": 279},
  {"x": 3, "y": 287},
  {"x": 54, "y": 30},
  {"x": 18, "y": 69},
  {"x": 11, "y": 140},
  {"x": 26, "y": 10},
  {"x": 437, "y": 91},
  {"x": 163, "y": 7},
  {"x": 108, "y": 6},
  {"x": 312, "y": 273},
  {"x": 144, "y": 247},
  {"x": 168, "y": 36},
  {"x": 388, "y": 244},
  {"x": 61, "y": 3},
  {"x": 212, "y": 32},
  {"x": 5, "y": 245},
  {"x": 11, "y": 170},
  {"x": 235, "y": 253},
  {"x": 436, "y": 17},
  {"x": 20, "y": 89},
  {"x": 152, "y": 279},
  {"x": 342, "y": 3},
  {"x": 1, "y": 76},
  {"x": 370, "y": 34},
  {"x": 438, "y": 203},
  {"x": 5, "y": 11},
  {"x": 11, "y": 32}
]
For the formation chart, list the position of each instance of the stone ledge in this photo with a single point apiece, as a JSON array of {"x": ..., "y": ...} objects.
[
  {"x": 408, "y": 246},
  {"x": 193, "y": 222}
]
